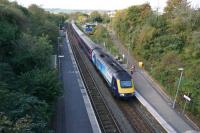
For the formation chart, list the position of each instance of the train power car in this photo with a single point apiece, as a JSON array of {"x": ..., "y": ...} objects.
[
  {"x": 88, "y": 29},
  {"x": 119, "y": 80}
]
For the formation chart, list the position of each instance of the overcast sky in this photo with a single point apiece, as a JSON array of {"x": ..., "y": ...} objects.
[{"x": 97, "y": 4}]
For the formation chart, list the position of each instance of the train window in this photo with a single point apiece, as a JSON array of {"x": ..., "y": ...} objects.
[{"x": 126, "y": 84}]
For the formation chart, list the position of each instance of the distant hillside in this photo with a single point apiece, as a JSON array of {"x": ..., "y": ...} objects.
[{"x": 68, "y": 11}]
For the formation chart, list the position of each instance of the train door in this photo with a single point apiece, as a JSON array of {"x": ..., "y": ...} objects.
[
  {"x": 93, "y": 58},
  {"x": 98, "y": 65},
  {"x": 114, "y": 86}
]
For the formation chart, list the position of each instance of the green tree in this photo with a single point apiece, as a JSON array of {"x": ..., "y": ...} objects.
[
  {"x": 12, "y": 20},
  {"x": 165, "y": 43},
  {"x": 28, "y": 87},
  {"x": 172, "y": 5},
  {"x": 41, "y": 24},
  {"x": 96, "y": 17},
  {"x": 40, "y": 83},
  {"x": 32, "y": 53},
  {"x": 106, "y": 18}
]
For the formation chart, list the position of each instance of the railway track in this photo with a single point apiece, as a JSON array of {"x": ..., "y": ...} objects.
[
  {"x": 135, "y": 118},
  {"x": 138, "y": 117},
  {"x": 106, "y": 121},
  {"x": 140, "y": 120}
]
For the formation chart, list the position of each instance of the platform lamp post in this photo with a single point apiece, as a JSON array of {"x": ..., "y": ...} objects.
[
  {"x": 60, "y": 56},
  {"x": 129, "y": 44},
  {"x": 58, "y": 41},
  {"x": 128, "y": 54},
  {"x": 58, "y": 52},
  {"x": 180, "y": 69},
  {"x": 129, "y": 40},
  {"x": 107, "y": 42},
  {"x": 58, "y": 45},
  {"x": 59, "y": 65}
]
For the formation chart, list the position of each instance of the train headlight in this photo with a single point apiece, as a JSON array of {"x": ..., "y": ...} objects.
[{"x": 121, "y": 94}]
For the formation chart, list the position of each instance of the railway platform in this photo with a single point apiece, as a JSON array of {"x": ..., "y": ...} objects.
[{"x": 76, "y": 113}]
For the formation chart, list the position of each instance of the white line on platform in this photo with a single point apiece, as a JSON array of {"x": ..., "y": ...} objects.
[
  {"x": 88, "y": 105},
  {"x": 162, "y": 122}
]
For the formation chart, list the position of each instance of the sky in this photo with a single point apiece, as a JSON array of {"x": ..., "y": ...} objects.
[{"x": 98, "y": 4}]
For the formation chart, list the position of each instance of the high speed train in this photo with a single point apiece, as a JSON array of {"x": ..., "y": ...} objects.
[
  {"x": 89, "y": 29},
  {"x": 118, "y": 79}
]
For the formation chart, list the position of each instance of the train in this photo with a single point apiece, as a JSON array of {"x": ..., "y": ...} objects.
[
  {"x": 118, "y": 79},
  {"x": 89, "y": 28}
]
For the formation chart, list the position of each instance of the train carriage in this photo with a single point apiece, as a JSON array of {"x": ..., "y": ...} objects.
[{"x": 89, "y": 45}]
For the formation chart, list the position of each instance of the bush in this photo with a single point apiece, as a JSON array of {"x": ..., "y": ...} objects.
[
  {"x": 28, "y": 87},
  {"x": 40, "y": 83},
  {"x": 166, "y": 42}
]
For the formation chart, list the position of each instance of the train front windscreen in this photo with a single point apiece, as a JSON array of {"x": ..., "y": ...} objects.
[{"x": 126, "y": 84}]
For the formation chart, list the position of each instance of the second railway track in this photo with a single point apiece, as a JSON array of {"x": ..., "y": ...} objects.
[{"x": 140, "y": 120}]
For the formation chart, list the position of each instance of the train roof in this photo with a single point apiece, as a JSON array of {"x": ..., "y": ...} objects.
[
  {"x": 108, "y": 60},
  {"x": 113, "y": 65},
  {"x": 78, "y": 31},
  {"x": 123, "y": 75},
  {"x": 84, "y": 37}
]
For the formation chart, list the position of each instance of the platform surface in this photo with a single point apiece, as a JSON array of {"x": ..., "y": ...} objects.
[{"x": 76, "y": 116}]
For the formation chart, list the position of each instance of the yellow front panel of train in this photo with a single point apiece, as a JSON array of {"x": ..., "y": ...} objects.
[{"x": 125, "y": 90}]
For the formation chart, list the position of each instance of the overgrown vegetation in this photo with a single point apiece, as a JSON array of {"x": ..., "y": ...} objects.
[
  {"x": 101, "y": 36},
  {"x": 165, "y": 43},
  {"x": 28, "y": 85},
  {"x": 94, "y": 17}
]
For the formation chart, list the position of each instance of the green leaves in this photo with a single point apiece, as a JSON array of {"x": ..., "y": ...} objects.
[
  {"x": 40, "y": 83},
  {"x": 170, "y": 42},
  {"x": 13, "y": 14},
  {"x": 96, "y": 17},
  {"x": 165, "y": 43},
  {"x": 28, "y": 87},
  {"x": 27, "y": 113},
  {"x": 33, "y": 52}
]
